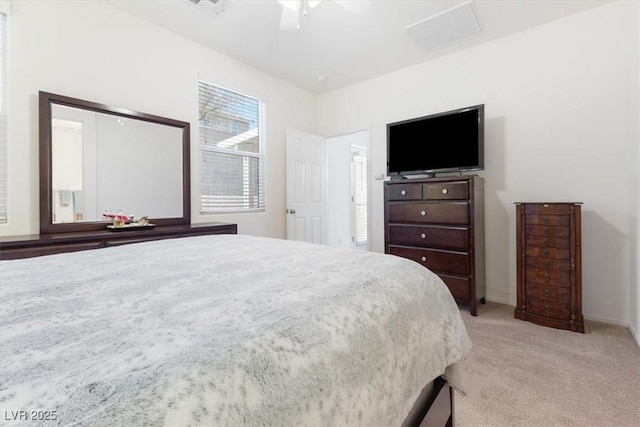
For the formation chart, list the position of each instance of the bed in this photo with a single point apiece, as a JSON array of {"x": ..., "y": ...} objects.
[{"x": 226, "y": 330}]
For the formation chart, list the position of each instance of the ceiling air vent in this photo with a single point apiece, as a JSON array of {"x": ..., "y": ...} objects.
[
  {"x": 212, "y": 7},
  {"x": 452, "y": 25}
]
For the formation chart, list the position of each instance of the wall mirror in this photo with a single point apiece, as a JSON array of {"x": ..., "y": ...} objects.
[{"x": 96, "y": 158}]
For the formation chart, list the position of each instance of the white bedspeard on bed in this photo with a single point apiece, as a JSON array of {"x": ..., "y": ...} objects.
[{"x": 223, "y": 330}]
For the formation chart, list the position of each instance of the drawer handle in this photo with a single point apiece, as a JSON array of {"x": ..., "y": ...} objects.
[
  {"x": 547, "y": 308},
  {"x": 546, "y": 220},
  {"x": 545, "y": 252},
  {"x": 546, "y": 277},
  {"x": 546, "y": 231},
  {"x": 547, "y": 242},
  {"x": 403, "y": 192},
  {"x": 424, "y": 259},
  {"x": 445, "y": 191},
  {"x": 423, "y": 213},
  {"x": 547, "y": 264},
  {"x": 424, "y": 236},
  {"x": 547, "y": 292}
]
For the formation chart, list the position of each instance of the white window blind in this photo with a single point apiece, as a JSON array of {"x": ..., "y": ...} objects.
[
  {"x": 3, "y": 118},
  {"x": 232, "y": 151},
  {"x": 359, "y": 167}
]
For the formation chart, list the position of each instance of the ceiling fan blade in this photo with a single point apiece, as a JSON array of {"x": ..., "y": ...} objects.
[
  {"x": 354, "y": 6},
  {"x": 289, "y": 20}
]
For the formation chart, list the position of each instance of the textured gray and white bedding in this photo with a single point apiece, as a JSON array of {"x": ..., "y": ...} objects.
[{"x": 222, "y": 330}]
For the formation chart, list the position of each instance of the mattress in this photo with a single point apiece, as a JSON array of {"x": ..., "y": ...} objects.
[{"x": 223, "y": 330}]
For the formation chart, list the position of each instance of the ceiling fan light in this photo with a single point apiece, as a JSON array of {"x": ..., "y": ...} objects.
[{"x": 314, "y": 3}]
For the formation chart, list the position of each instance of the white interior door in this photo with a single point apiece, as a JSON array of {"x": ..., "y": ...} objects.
[{"x": 306, "y": 187}]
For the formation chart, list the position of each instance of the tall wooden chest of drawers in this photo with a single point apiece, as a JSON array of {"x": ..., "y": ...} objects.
[
  {"x": 439, "y": 223},
  {"x": 549, "y": 264}
]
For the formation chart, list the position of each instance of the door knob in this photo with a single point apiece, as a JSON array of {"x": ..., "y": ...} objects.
[{"x": 291, "y": 211}]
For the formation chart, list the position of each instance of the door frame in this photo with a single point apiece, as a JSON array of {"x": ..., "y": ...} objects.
[{"x": 367, "y": 145}]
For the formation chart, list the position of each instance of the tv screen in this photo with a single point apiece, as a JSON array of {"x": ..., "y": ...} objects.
[{"x": 450, "y": 141}]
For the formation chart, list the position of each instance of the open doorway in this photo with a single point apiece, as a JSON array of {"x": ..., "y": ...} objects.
[{"x": 347, "y": 191}]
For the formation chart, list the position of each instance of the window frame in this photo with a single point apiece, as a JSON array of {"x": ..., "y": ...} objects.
[
  {"x": 4, "y": 142},
  {"x": 260, "y": 155}
]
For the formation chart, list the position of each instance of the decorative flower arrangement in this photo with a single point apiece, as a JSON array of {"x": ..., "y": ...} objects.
[
  {"x": 122, "y": 221},
  {"x": 119, "y": 219}
]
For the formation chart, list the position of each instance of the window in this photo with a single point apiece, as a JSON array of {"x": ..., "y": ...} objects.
[
  {"x": 232, "y": 151},
  {"x": 3, "y": 118}
]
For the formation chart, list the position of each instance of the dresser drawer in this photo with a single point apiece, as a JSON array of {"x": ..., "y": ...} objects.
[
  {"x": 447, "y": 191},
  {"x": 551, "y": 309},
  {"x": 458, "y": 286},
  {"x": 550, "y": 253},
  {"x": 456, "y": 239},
  {"x": 443, "y": 261},
  {"x": 435, "y": 213},
  {"x": 35, "y": 251},
  {"x": 120, "y": 242},
  {"x": 405, "y": 192},
  {"x": 546, "y": 231},
  {"x": 548, "y": 277},
  {"x": 547, "y": 209},
  {"x": 551, "y": 264},
  {"x": 550, "y": 220},
  {"x": 547, "y": 242},
  {"x": 548, "y": 293}
]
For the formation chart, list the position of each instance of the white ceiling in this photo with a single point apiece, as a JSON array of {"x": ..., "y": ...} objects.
[{"x": 344, "y": 46}]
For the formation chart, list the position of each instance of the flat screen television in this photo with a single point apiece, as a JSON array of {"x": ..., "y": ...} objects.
[{"x": 451, "y": 141}]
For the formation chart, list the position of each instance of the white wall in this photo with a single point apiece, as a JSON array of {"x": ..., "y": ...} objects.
[
  {"x": 92, "y": 51},
  {"x": 557, "y": 129},
  {"x": 634, "y": 169},
  {"x": 339, "y": 193}
]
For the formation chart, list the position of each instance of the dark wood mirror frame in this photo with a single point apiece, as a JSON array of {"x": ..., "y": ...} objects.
[{"x": 46, "y": 101}]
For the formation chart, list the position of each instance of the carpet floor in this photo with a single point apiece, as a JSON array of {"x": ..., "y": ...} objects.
[{"x": 522, "y": 374}]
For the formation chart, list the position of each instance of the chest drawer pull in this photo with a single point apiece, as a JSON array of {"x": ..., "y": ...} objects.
[
  {"x": 547, "y": 264},
  {"x": 545, "y": 252},
  {"x": 547, "y": 292},
  {"x": 424, "y": 259},
  {"x": 423, "y": 213},
  {"x": 546, "y": 277},
  {"x": 403, "y": 192},
  {"x": 546, "y": 231},
  {"x": 546, "y": 242},
  {"x": 546, "y": 220},
  {"x": 424, "y": 236},
  {"x": 445, "y": 191},
  {"x": 547, "y": 308}
]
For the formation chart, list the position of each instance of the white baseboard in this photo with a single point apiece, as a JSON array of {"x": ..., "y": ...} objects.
[
  {"x": 500, "y": 296},
  {"x": 635, "y": 334},
  {"x": 605, "y": 320}
]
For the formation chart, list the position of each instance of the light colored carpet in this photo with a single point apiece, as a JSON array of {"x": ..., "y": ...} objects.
[{"x": 522, "y": 374}]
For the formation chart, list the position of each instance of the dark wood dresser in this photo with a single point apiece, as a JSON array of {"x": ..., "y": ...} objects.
[
  {"x": 16, "y": 247},
  {"x": 439, "y": 223},
  {"x": 549, "y": 264}
]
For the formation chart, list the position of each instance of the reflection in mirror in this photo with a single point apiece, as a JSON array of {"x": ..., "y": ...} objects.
[
  {"x": 96, "y": 158},
  {"x": 102, "y": 162}
]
